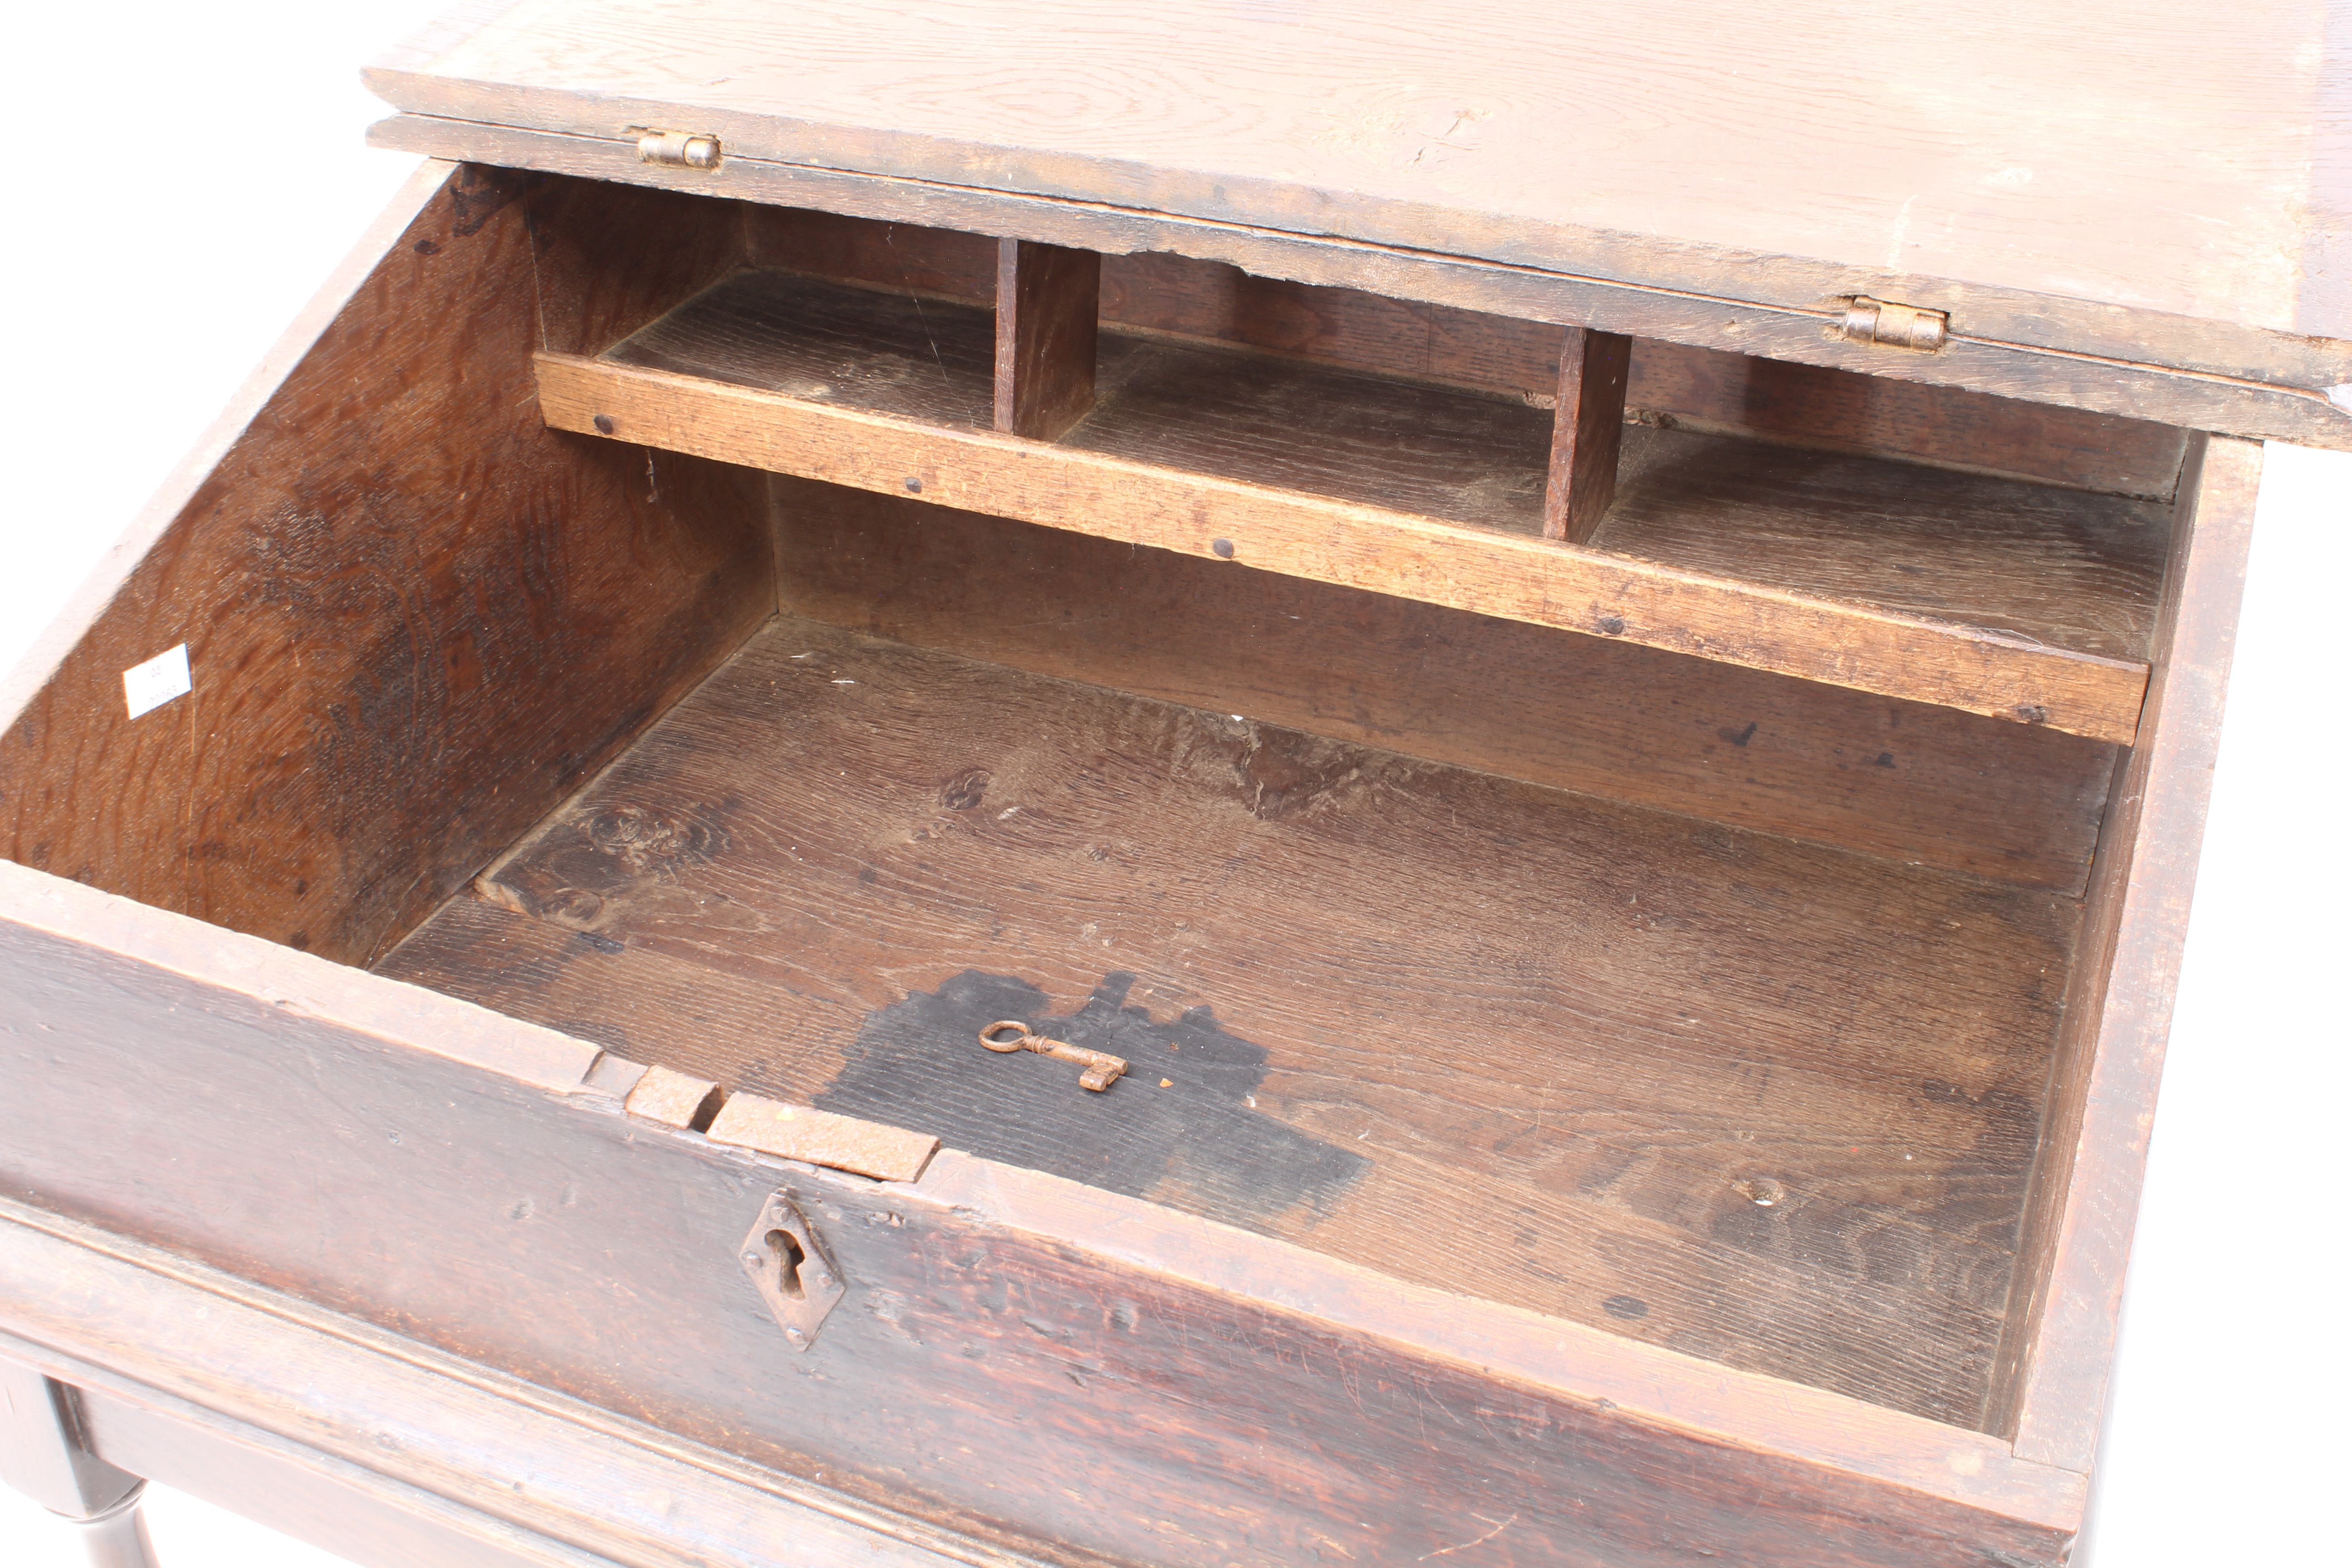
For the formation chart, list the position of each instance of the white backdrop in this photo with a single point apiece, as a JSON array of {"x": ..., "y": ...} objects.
[{"x": 183, "y": 177}]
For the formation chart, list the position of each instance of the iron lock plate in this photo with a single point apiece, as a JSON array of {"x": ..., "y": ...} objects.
[{"x": 794, "y": 1274}]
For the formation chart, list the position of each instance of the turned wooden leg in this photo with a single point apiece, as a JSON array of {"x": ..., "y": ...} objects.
[{"x": 44, "y": 1455}]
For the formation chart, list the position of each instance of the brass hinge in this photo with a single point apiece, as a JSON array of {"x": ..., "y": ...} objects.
[
  {"x": 1892, "y": 326},
  {"x": 679, "y": 149}
]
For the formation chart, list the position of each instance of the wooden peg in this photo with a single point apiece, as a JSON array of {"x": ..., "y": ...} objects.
[
  {"x": 1049, "y": 299},
  {"x": 1586, "y": 430}
]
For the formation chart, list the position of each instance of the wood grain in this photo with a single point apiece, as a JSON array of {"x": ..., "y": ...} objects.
[
  {"x": 2116, "y": 384},
  {"x": 975, "y": 1355},
  {"x": 1047, "y": 311},
  {"x": 1671, "y": 383},
  {"x": 416, "y": 617},
  {"x": 2051, "y": 1392},
  {"x": 386, "y": 1450},
  {"x": 2049, "y": 568},
  {"x": 19, "y": 685},
  {"x": 1903, "y": 780},
  {"x": 1293, "y": 468},
  {"x": 1587, "y": 424},
  {"x": 1665, "y": 1044},
  {"x": 137, "y": 947},
  {"x": 1525, "y": 143},
  {"x": 1875, "y": 415},
  {"x": 2072, "y": 570},
  {"x": 854, "y": 348}
]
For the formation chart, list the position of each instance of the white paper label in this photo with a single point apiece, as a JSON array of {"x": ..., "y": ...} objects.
[{"x": 147, "y": 687}]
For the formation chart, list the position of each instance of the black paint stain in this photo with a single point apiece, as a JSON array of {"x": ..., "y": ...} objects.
[
  {"x": 1738, "y": 737},
  {"x": 1196, "y": 1145},
  {"x": 1612, "y": 625},
  {"x": 1885, "y": 760},
  {"x": 476, "y": 193},
  {"x": 427, "y": 248},
  {"x": 1628, "y": 1308}
]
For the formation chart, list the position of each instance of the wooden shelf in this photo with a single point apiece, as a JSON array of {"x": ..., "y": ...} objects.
[{"x": 2018, "y": 601}]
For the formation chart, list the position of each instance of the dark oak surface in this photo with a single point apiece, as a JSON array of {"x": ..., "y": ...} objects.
[
  {"x": 1995, "y": 582},
  {"x": 1903, "y": 780},
  {"x": 1730, "y": 151},
  {"x": 1588, "y": 425},
  {"x": 2292, "y": 408},
  {"x": 2069, "y": 570},
  {"x": 2051, "y": 1377},
  {"x": 2058, "y": 568},
  {"x": 285, "y": 1125},
  {"x": 1766, "y": 1104},
  {"x": 1207, "y": 1427},
  {"x": 1048, "y": 313},
  {"x": 414, "y": 617},
  {"x": 1289, "y": 424},
  {"x": 1159, "y": 291}
]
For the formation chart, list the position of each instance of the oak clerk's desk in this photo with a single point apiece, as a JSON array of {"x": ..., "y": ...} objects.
[{"x": 1313, "y": 809}]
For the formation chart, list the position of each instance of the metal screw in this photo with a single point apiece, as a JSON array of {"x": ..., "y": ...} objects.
[{"x": 751, "y": 1260}]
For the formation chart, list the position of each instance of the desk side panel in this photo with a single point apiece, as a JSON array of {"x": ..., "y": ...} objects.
[
  {"x": 2051, "y": 1381},
  {"x": 412, "y": 618}
]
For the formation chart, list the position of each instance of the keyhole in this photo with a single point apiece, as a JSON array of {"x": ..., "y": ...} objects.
[{"x": 789, "y": 1259}]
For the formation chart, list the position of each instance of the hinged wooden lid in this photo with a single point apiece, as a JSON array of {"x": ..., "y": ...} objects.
[{"x": 2148, "y": 213}]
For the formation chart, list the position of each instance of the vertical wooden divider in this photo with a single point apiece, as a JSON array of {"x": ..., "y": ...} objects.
[
  {"x": 1048, "y": 304},
  {"x": 1586, "y": 431}
]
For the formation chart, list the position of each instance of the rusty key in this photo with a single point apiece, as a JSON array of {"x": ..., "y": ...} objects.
[{"x": 1102, "y": 1071}]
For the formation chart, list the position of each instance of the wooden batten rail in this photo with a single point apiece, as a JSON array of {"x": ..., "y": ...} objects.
[{"x": 1513, "y": 576}]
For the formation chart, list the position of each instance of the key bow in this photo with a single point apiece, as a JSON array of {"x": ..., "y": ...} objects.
[{"x": 1102, "y": 1070}]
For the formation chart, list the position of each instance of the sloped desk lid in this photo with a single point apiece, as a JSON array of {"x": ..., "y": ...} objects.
[{"x": 2149, "y": 212}]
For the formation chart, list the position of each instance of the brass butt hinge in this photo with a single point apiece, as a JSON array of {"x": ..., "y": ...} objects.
[
  {"x": 1892, "y": 326},
  {"x": 678, "y": 149}
]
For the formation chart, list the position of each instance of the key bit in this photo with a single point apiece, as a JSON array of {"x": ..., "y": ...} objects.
[{"x": 1102, "y": 1070}]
